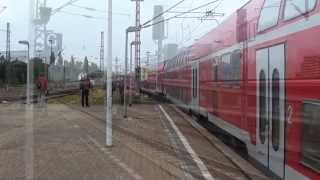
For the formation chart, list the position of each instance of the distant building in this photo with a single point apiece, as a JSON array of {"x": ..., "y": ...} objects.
[{"x": 20, "y": 55}]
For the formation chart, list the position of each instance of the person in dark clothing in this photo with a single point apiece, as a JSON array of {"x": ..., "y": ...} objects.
[
  {"x": 114, "y": 88},
  {"x": 121, "y": 93},
  {"x": 85, "y": 86}
]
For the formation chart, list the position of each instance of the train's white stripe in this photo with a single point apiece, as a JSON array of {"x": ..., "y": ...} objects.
[
  {"x": 204, "y": 170},
  {"x": 301, "y": 25},
  {"x": 286, "y": 30}
]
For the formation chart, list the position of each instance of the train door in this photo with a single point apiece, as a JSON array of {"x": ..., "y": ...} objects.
[
  {"x": 271, "y": 108},
  {"x": 195, "y": 86}
]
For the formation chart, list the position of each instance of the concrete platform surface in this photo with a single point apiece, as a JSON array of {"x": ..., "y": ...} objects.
[{"x": 61, "y": 142}]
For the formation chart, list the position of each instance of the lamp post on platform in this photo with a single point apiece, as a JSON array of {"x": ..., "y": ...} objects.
[
  {"x": 133, "y": 43},
  {"x": 26, "y": 43},
  {"x": 128, "y": 30}
]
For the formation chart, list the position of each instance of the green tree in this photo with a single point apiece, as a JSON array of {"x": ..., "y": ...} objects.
[
  {"x": 2, "y": 69},
  {"x": 39, "y": 67},
  {"x": 18, "y": 72},
  {"x": 94, "y": 67}
]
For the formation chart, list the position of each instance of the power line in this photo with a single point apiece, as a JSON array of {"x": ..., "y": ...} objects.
[
  {"x": 98, "y": 10},
  {"x": 181, "y": 14},
  {"x": 159, "y": 15},
  {"x": 207, "y": 13},
  {"x": 3, "y": 9},
  {"x": 63, "y": 6},
  {"x": 82, "y": 15},
  {"x": 196, "y": 12},
  {"x": 197, "y": 17},
  {"x": 88, "y": 8},
  {"x": 196, "y": 28}
]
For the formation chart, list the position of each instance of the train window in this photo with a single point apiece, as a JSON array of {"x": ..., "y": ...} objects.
[
  {"x": 215, "y": 69},
  {"x": 262, "y": 107},
  {"x": 269, "y": 14},
  {"x": 214, "y": 72},
  {"x": 193, "y": 82},
  {"x": 294, "y": 8},
  {"x": 311, "y": 135},
  {"x": 236, "y": 65},
  {"x": 230, "y": 67},
  {"x": 275, "y": 110},
  {"x": 225, "y": 69}
]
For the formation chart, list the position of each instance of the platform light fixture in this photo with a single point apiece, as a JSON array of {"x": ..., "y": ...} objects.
[
  {"x": 26, "y": 43},
  {"x": 130, "y": 29}
]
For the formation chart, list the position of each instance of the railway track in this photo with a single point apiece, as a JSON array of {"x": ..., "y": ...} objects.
[{"x": 53, "y": 95}]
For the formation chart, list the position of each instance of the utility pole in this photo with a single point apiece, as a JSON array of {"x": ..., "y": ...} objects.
[
  {"x": 158, "y": 61},
  {"x": 130, "y": 75},
  {"x": 41, "y": 18},
  {"x": 109, "y": 78},
  {"x": 8, "y": 56},
  {"x": 128, "y": 30},
  {"x": 8, "y": 43},
  {"x": 130, "y": 72},
  {"x": 138, "y": 45},
  {"x": 102, "y": 53}
]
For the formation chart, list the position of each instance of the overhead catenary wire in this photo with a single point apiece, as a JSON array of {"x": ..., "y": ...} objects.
[
  {"x": 98, "y": 10},
  {"x": 83, "y": 15},
  {"x": 180, "y": 14},
  {"x": 197, "y": 12},
  {"x": 194, "y": 36},
  {"x": 3, "y": 9},
  {"x": 197, "y": 17},
  {"x": 159, "y": 15},
  {"x": 205, "y": 17},
  {"x": 88, "y": 8},
  {"x": 195, "y": 29},
  {"x": 63, "y": 6}
]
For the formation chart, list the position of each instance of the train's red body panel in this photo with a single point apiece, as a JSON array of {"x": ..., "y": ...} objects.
[{"x": 258, "y": 78}]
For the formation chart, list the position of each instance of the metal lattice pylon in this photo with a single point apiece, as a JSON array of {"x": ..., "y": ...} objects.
[
  {"x": 138, "y": 45},
  {"x": 40, "y": 20},
  {"x": 102, "y": 53}
]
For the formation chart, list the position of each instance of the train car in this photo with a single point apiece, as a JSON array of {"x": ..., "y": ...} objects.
[{"x": 257, "y": 76}]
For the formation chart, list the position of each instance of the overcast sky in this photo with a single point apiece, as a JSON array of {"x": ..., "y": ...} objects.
[{"x": 82, "y": 35}]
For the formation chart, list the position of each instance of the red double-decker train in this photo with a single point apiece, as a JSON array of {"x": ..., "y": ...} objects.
[{"x": 257, "y": 76}]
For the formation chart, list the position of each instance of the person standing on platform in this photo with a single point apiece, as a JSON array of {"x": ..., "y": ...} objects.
[
  {"x": 121, "y": 91},
  {"x": 42, "y": 85},
  {"x": 85, "y": 86}
]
